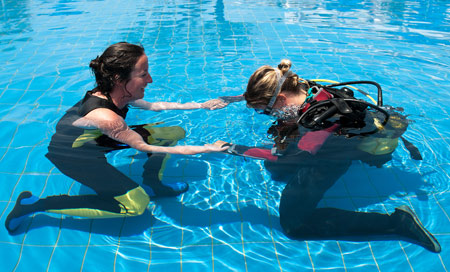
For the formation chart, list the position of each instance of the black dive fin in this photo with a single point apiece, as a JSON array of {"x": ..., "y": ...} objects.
[{"x": 413, "y": 150}]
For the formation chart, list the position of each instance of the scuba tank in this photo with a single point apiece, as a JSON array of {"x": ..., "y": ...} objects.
[
  {"x": 326, "y": 105},
  {"x": 339, "y": 106}
]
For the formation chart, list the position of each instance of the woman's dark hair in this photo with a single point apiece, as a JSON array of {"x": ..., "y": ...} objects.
[{"x": 115, "y": 64}]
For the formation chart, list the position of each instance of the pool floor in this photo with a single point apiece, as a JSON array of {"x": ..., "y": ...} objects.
[{"x": 199, "y": 50}]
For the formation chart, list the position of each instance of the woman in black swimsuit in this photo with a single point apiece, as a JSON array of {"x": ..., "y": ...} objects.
[{"x": 95, "y": 126}]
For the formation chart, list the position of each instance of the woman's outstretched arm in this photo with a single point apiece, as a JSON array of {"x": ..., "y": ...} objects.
[{"x": 115, "y": 127}]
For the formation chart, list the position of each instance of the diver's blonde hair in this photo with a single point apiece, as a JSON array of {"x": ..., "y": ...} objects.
[{"x": 263, "y": 83}]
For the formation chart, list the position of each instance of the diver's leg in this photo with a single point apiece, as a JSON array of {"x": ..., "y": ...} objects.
[
  {"x": 155, "y": 165},
  {"x": 334, "y": 223},
  {"x": 303, "y": 192},
  {"x": 302, "y": 220},
  {"x": 408, "y": 225},
  {"x": 117, "y": 195}
]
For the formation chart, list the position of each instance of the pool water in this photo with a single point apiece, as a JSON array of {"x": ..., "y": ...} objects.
[{"x": 198, "y": 50}]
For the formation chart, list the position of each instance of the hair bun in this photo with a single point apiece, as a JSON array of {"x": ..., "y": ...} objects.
[
  {"x": 284, "y": 66},
  {"x": 95, "y": 63}
]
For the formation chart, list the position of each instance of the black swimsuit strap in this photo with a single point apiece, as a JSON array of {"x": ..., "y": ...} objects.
[{"x": 91, "y": 102}]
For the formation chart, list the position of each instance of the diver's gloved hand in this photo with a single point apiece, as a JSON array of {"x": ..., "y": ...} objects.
[
  {"x": 221, "y": 102},
  {"x": 227, "y": 147},
  {"x": 232, "y": 99}
]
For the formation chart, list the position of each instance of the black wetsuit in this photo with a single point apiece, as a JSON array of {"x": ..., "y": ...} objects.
[
  {"x": 308, "y": 178},
  {"x": 310, "y": 169},
  {"x": 80, "y": 154}
]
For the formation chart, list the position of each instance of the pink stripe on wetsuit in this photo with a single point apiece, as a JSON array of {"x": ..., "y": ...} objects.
[{"x": 311, "y": 142}]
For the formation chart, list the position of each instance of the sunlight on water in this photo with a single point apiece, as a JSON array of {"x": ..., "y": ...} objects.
[{"x": 198, "y": 50}]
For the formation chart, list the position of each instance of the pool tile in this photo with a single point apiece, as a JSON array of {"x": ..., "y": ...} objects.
[{"x": 197, "y": 51}]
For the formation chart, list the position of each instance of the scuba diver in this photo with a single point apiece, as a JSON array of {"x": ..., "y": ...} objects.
[
  {"x": 95, "y": 126},
  {"x": 320, "y": 130}
]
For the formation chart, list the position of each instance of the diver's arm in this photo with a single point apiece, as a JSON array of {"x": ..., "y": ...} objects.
[
  {"x": 309, "y": 144},
  {"x": 312, "y": 141},
  {"x": 250, "y": 152},
  {"x": 212, "y": 104},
  {"x": 115, "y": 127}
]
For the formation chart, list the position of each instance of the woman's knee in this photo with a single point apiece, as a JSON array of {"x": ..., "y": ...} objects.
[
  {"x": 296, "y": 228},
  {"x": 174, "y": 133},
  {"x": 165, "y": 134},
  {"x": 288, "y": 223},
  {"x": 294, "y": 213},
  {"x": 134, "y": 202}
]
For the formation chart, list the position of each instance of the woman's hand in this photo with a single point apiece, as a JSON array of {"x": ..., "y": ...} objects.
[
  {"x": 214, "y": 104},
  {"x": 221, "y": 102},
  {"x": 222, "y": 143},
  {"x": 218, "y": 146}
]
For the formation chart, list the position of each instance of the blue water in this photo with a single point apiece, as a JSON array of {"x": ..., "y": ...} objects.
[{"x": 228, "y": 220}]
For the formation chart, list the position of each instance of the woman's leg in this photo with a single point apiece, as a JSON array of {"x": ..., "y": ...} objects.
[
  {"x": 301, "y": 219},
  {"x": 155, "y": 165},
  {"x": 299, "y": 214},
  {"x": 116, "y": 194}
]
